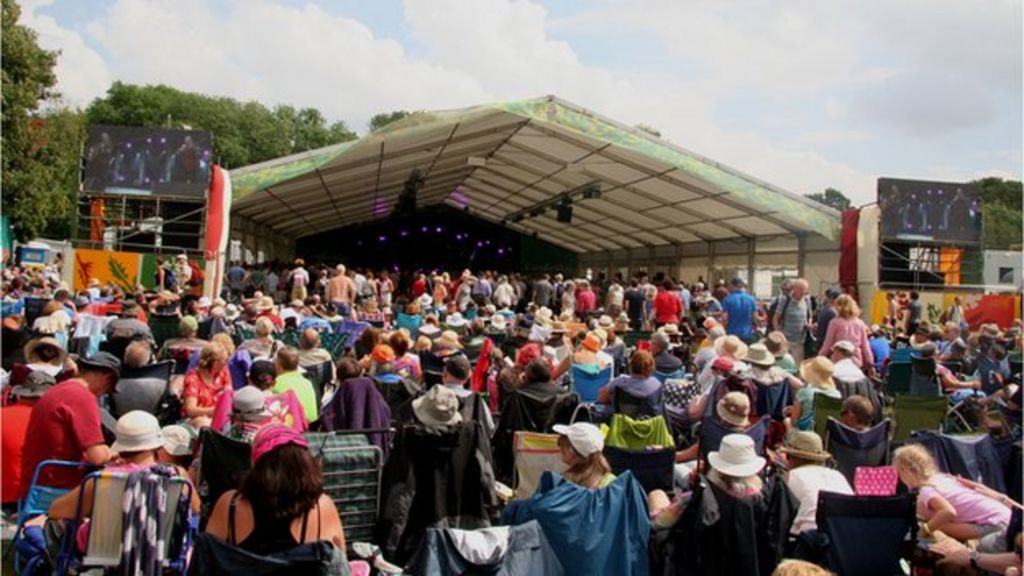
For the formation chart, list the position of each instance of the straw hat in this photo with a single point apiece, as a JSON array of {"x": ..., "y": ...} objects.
[
  {"x": 805, "y": 444},
  {"x": 736, "y": 457},
  {"x": 759, "y": 355},
  {"x": 731, "y": 346},
  {"x": 34, "y": 345},
  {"x": 734, "y": 408},
  {"x": 455, "y": 320},
  {"x": 137, "y": 431},
  {"x": 669, "y": 330},
  {"x": 606, "y": 322},
  {"x": 543, "y": 317},
  {"x": 777, "y": 344},
  {"x": 845, "y": 346},
  {"x": 265, "y": 303},
  {"x": 449, "y": 339},
  {"x": 498, "y": 322},
  {"x": 817, "y": 372},
  {"x": 438, "y": 407}
]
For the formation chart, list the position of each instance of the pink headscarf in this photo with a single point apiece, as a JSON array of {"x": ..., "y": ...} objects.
[{"x": 274, "y": 436}]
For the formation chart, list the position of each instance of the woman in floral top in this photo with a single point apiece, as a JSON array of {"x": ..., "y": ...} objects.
[{"x": 204, "y": 383}]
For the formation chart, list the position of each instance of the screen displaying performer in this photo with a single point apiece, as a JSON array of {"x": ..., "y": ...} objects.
[
  {"x": 930, "y": 211},
  {"x": 147, "y": 161}
]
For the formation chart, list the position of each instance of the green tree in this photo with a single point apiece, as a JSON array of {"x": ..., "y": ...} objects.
[
  {"x": 1001, "y": 214},
  {"x": 243, "y": 132},
  {"x": 383, "y": 119},
  {"x": 832, "y": 198},
  {"x": 40, "y": 148}
]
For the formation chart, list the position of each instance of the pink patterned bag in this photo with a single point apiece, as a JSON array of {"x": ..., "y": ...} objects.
[{"x": 875, "y": 481}]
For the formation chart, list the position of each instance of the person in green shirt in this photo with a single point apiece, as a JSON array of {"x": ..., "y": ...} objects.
[{"x": 289, "y": 378}]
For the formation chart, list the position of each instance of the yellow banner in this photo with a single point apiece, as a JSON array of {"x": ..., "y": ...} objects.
[{"x": 121, "y": 268}]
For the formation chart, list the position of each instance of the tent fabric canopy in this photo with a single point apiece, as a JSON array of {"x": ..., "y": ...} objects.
[{"x": 497, "y": 159}]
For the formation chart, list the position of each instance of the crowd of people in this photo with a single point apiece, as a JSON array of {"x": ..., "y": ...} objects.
[{"x": 285, "y": 350}]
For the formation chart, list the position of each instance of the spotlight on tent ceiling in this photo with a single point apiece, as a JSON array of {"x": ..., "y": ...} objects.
[
  {"x": 517, "y": 218},
  {"x": 537, "y": 211},
  {"x": 592, "y": 191},
  {"x": 476, "y": 161}
]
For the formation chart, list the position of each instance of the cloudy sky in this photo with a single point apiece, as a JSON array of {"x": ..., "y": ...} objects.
[{"x": 804, "y": 94}]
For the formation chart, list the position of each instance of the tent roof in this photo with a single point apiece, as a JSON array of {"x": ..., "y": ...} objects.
[{"x": 653, "y": 192}]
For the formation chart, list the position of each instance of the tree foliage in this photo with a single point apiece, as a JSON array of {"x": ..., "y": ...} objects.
[
  {"x": 832, "y": 198},
  {"x": 243, "y": 132},
  {"x": 383, "y": 119},
  {"x": 1002, "y": 219}
]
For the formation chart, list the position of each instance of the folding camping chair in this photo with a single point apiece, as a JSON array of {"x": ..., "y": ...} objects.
[
  {"x": 665, "y": 376},
  {"x": 586, "y": 384},
  {"x": 918, "y": 413},
  {"x": 106, "y": 526},
  {"x": 654, "y": 469},
  {"x": 634, "y": 406},
  {"x": 924, "y": 379},
  {"x": 712, "y": 432},
  {"x": 223, "y": 463},
  {"x": 163, "y": 328},
  {"x": 772, "y": 399},
  {"x": 534, "y": 453},
  {"x": 321, "y": 376},
  {"x": 852, "y": 449},
  {"x": 897, "y": 377},
  {"x": 352, "y": 478},
  {"x": 855, "y": 524},
  {"x": 39, "y": 497},
  {"x": 141, "y": 388},
  {"x": 825, "y": 409}
]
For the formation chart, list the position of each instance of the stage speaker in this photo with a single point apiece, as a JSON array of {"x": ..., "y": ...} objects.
[{"x": 565, "y": 213}]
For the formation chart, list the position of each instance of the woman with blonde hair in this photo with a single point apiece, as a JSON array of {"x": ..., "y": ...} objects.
[
  {"x": 581, "y": 445},
  {"x": 959, "y": 508},
  {"x": 204, "y": 383},
  {"x": 847, "y": 325}
]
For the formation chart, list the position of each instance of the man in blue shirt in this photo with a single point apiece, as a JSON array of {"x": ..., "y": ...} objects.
[
  {"x": 879, "y": 347},
  {"x": 739, "y": 310}
]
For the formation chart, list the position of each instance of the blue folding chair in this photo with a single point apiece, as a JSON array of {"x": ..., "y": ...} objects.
[
  {"x": 852, "y": 449},
  {"x": 712, "y": 432},
  {"x": 586, "y": 384},
  {"x": 38, "y": 498},
  {"x": 677, "y": 375},
  {"x": 409, "y": 322},
  {"x": 855, "y": 524}
]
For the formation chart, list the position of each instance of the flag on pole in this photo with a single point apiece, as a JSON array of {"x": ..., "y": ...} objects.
[{"x": 218, "y": 228}]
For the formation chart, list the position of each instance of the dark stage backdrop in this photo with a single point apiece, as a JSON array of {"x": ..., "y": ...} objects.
[{"x": 438, "y": 237}]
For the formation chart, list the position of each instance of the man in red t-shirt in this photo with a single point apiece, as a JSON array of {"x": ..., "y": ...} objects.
[
  {"x": 14, "y": 423},
  {"x": 65, "y": 423},
  {"x": 419, "y": 286},
  {"x": 667, "y": 306}
]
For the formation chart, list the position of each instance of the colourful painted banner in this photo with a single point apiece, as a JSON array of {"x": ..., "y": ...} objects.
[
  {"x": 121, "y": 268},
  {"x": 1001, "y": 309}
]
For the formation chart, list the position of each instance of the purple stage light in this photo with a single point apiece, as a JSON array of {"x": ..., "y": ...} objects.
[
  {"x": 424, "y": 229},
  {"x": 382, "y": 238},
  {"x": 501, "y": 251},
  {"x": 479, "y": 244},
  {"x": 405, "y": 233},
  {"x": 439, "y": 229}
]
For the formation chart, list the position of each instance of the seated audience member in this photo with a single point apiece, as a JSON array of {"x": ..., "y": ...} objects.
[
  {"x": 790, "y": 567},
  {"x": 248, "y": 414},
  {"x": 817, "y": 375},
  {"x": 779, "y": 347},
  {"x": 367, "y": 341},
  {"x": 730, "y": 347},
  {"x": 735, "y": 467},
  {"x": 1007, "y": 560},
  {"x": 46, "y": 355},
  {"x": 14, "y": 420},
  {"x": 950, "y": 334},
  {"x": 922, "y": 335},
  {"x": 581, "y": 446},
  {"x": 733, "y": 411},
  {"x": 806, "y": 457},
  {"x": 138, "y": 354},
  {"x": 407, "y": 363},
  {"x": 766, "y": 375},
  {"x": 138, "y": 439},
  {"x": 310, "y": 352},
  {"x": 65, "y": 423},
  {"x": 880, "y": 348},
  {"x": 265, "y": 309},
  {"x": 178, "y": 447},
  {"x": 188, "y": 328},
  {"x": 290, "y": 378},
  {"x": 536, "y": 380},
  {"x": 438, "y": 409},
  {"x": 726, "y": 379},
  {"x": 456, "y": 377},
  {"x": 281, "y": 502},
  {"x": 263, "y": 345},
  {"x": 639, "y": 383},
  {"x": 845, "y": 368},
  {"x": 53, "y": 321},
  {"x": 204, "y": 383},
  {"x": 857, "y": 412},
  {"x": 281, "y": 408},
  {"x": 949, "y": 382},
  {"x": 946, "y": 503},
  {"x": 664, "y": 361}
]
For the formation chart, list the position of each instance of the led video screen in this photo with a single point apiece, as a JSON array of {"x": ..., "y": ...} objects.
[
  {"x": 147, "y": 161},
  {"x": 919, "y": 210}
]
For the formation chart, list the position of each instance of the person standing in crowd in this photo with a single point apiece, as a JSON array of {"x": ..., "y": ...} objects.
[
  {"x": 586, "y": 300},
  {"x": 826, "y": 312},
  {"x": 272, "y": 283},
  {"x": 740, "y": 309},
  {"x": 299, "y": 279},
  {"x": 543, "y": 291},
  {"x": 65, "y": 423},
  {"x": 386, "y": 289},
  {"x": 667, "y": 307},
  {"x": 342, "y": 292},
  {"x": 914, "y": 311},
  {"x": 183, "y": 272},
  {"x": 848, "y": 326},
  {"x": 792, "y": 318},
  {"x": 634, "y": 300},
  {"x": 686, "y": 299},
  {"x": 880, "y": 349},
  {"x": 235, "y": 277}
]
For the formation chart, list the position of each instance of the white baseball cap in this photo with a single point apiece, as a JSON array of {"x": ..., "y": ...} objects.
[{"x": 585, "y": 438}]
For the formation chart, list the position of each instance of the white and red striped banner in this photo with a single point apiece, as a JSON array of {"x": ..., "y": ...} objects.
[{"x": 218, "y": 228}]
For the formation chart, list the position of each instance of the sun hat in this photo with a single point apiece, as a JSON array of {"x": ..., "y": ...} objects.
[
  {"x": 805, "y": 444},
  {"x": 758, "y": 355},
  {"x": 438, "y": 407},
  {"x": 181, "y": 257},
  {"x": 34, "y": 345},
  {"x": 498, "y": 322},
  {"x": 592, "y": 342},
  {"x": 455, "y": 320},
  {"x": 585, "y": 438},
  {"x": 81, "y": 301},
  {"x": 605, "y": 322},
  {"x": 204, "y": 302},
  {"x": 248, "y": 405},
  {"x": 845, "y": 346},
  {"x": 543, "y": 317},
  {"x": 734, "y": 408},
  {"x": 710, "y": 323},
  {"x": 425, "y": 301},
  {"x": 296, "y": 303},
  {"x": 274, "y": 436},
  {"x": 669, "y": 329},
  {"x": 35, "y": 385},
  {"x": 723, "y": 363},
  {"x": 102, "y": 361},
  {"x": 177, "y": 440},
  {"x": 736, "y": 457},
  {"x": 231, "y": 312},
  {"x": 777, "y": 344},
  {"x": 449, "y": 339},
  {"x": 265, "y": 303},
  {"x": 817, "y": 372},
  {"x": 732, "y": 346},
  {"x": 382, "y": 353},
  {"x": 137, "y": 431}
]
